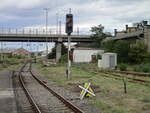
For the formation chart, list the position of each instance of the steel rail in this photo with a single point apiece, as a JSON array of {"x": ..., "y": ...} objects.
[
  {"x": 67, "y": 103},
  {"x": 140, "y": 81},
  {"x": 133, "y": 79},
  {"x": 31, "y": 100},
  {"x": 132, "y": 73}
]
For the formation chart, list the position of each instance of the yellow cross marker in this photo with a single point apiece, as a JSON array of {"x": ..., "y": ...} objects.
[{"x": 86, "y": 91}]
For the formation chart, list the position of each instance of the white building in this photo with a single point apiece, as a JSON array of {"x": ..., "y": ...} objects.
[
  {"x": 109, "y": 60},
  {"x": 85, "y": 54}
]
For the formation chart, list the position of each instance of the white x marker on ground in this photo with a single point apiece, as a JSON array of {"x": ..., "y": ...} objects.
[{"x": 85, "y": 91}]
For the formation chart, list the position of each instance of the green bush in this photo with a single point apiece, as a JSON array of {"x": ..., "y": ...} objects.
[
  {"x": 52, "y": 54},
  {"x": 10, "y": 56},
  {"x": 128, "y": 52},
  {"x": 138, "y": 52},
  {"x": 63, "y": 58},
  {"x": 122, "y": 67},
  {"x": 137, "y": 68},
  {"x": 142, "y": 68},
  {"x": 146, "y": 58},
  {"x": 146, "y": 69},
  {"x": 120, "y": 47},
  {"x": 109, "y": 45},
  {"x": 17, "y": 56}
]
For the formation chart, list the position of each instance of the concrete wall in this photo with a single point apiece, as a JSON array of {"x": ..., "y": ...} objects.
[
  {"x": 58, "y": 51},
  {"x": 85, "y": 55},
  {"x": 147, "y": 36}
]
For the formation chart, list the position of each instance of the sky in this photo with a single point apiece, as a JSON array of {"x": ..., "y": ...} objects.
[{"x": 112, "y": 14}]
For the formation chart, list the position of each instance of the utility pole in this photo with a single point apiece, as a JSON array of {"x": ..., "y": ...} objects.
[
  {"x": 69, "y": 30},
  {"x": 46, "y": 24},
  {"x": 60, "y": 28},
  {"x": 29, "y": 54},
  {"x": 57, "y": 23},
  {"x": 78, "y": 31}
]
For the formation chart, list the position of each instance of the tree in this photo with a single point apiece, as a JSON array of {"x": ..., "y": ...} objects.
[
  {"x": 109, "y": 45},
  {"x": 52, "y": 55},
  {"x": 99, "y": 35},
  {"x": 128, "y": 52},
  {"x": 121, "y": 47},
  {"x": 137, "y": 52},
  {"x": 98, "y": 32}
]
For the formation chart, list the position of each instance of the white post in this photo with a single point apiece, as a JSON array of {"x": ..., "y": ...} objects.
[{"x": 69, "y": 62}]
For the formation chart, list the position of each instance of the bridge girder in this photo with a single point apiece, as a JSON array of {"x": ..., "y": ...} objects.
[{"x": 44, "y": 38}]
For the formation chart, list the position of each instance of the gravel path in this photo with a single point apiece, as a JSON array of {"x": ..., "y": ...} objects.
[{"x": 7, "y": 98}]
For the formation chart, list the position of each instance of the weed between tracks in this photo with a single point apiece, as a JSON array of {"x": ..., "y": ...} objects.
[
  {"x": 12, "y": 63},
  {"x": 110, "y": 95},
  {"x": 10, "y": 67}
]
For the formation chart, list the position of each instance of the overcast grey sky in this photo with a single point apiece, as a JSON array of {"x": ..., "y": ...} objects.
[
  {"x": 87, "y": 13},
  {"x": 110, "y": 13}
]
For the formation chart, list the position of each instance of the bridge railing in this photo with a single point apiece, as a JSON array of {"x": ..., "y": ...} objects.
[{"x": 26, "y": 31}]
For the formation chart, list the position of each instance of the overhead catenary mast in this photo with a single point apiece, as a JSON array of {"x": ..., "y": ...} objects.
[{"x": 46, "y": 25}]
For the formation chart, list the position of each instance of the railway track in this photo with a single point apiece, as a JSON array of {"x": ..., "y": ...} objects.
[
  {"x": 132, "y": 73},
  {"x": 132, "y": 79},
  {"x": 117, "y": 76},
  {"x": 42, "y": 98}
]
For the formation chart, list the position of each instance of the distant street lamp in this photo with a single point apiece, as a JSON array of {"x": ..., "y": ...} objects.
[{"x": 46, "y": 24}]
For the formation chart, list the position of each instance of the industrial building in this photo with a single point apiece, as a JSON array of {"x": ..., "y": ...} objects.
[{"x": 84, "y": 55}]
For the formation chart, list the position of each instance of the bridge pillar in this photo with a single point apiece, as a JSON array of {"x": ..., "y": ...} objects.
[
  {"x": 58, "y": 50},
  {"x": 147, "y": 37}
]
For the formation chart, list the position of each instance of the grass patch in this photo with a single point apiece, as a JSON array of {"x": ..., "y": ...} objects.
[
  {"x": 111, "y": 97},
  {"x": 105, "y": 107},
  {"x": 146, "y": 99}
]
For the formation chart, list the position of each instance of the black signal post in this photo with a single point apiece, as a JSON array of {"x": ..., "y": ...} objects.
[
  {"x": 69, "y": 30},
  {"x": 69, "y": 24}
]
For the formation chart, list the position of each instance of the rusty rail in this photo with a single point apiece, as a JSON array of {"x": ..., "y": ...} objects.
[
  {"x": 133, "y": 79},
  {"x": 31, "y": 100},
  {"x": 67, "y": 103},
  {"x": 33, "y": 103},
  {"x": 132, "y": 73},
  {"x": 144, "y": 82}
]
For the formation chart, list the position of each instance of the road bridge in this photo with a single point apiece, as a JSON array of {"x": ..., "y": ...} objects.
[
  {"x": 43, "y": 38},
  {"x": 36, "y": 35}
]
